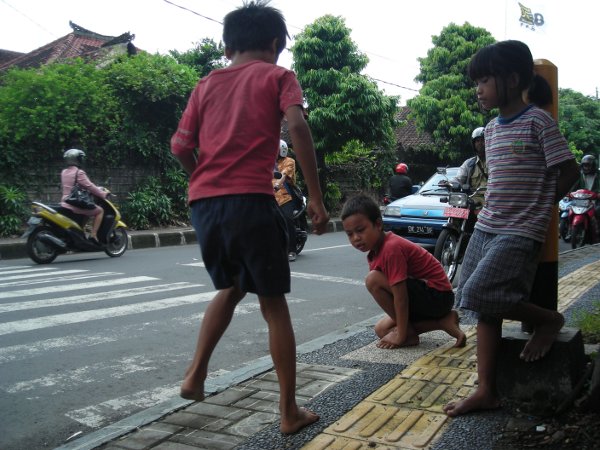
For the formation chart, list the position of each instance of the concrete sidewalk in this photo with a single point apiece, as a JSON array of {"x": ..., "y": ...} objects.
[{"x": 366, "y": 397}]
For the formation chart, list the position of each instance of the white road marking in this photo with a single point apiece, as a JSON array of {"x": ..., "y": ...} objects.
[
  {"x": 23, "y": 269},
  {"x": 42, "y": 274},
  {"x": 311, "y": 276},
  {"x": 74, "y": 287},
  {"x": 59, "y": 278},
  {"x": 86, "y": 298},
  {"x": 98, "y": 415},
  {"x": 117, "y": 311},
  {"x": 306, "y": 250}
]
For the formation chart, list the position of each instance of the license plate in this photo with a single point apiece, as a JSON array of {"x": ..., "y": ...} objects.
[
  {"x": 459, "y": 213},
  {"x": 416, "y": 229}
]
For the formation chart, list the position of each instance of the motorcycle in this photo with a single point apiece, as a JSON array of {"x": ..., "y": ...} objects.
[
  {"x": 298, "y": 215},
  {"x": 563, "y": 221},
  {"x": 54, "y": 230},
  {"x": 452, "y": 242},
  {"x": 582, "y": 220}
]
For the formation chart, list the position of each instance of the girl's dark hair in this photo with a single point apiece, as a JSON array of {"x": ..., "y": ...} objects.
[
  {"x": 253, "y": 26},
  {"x": 361, "y": 204},
  {"x": 503, "y": 58}
]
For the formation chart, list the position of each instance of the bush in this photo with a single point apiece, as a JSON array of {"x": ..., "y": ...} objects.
[
  {"x": 12, "y": 210},
  {"x": 589, "y": 323},
  {"x": 148, "y": 206}
]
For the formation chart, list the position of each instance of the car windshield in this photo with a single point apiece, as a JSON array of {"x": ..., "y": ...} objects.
[{"x": 431, "y": 186}]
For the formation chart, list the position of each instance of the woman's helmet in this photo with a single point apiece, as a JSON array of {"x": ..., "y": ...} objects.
[
  {"x": 283, "y": 149},
  {"x": 74, "y": 157},
  {"x": 588, "y": 164},
  {"x": 402, "y": 168}
]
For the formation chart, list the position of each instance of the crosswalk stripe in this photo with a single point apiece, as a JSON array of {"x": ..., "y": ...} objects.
[
  {"x": 23, "y": 269},
  {"x": 59, "y": 278},
  {"x": 42, "y": 274},
  {"x": 74, "y": 287},
  {"x": 117, "y": 311},
  {"x": 311, "y": 276},
  {"x": 86, "y": 298}
]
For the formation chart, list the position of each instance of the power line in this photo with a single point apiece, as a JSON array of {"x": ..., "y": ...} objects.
[
  {"x": 28, "y": 18},
  {"x": 213, "y": 20}
]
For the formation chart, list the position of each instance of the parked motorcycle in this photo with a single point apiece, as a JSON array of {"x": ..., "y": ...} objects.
[
  {"x": 454, "y": 237},
  {"x": 54, "y": 230},
  {"x": 582, "y": 221},
  {"x": 564, "y": 230}
]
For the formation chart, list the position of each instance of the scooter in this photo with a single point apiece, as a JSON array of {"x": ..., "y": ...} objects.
[
  {"x": 563, "y": 218},
  {"x": 582, "y": 220},
  {"x": 455, "y": 235},
  {"x": 299, "y": 214},
  {"x": 54, "y": 230}
]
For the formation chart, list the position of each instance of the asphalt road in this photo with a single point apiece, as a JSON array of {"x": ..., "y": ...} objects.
[{"x": 88, "y": 340}]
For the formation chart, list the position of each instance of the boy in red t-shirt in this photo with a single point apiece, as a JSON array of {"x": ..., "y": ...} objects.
[
  {"x": 233, "y": 119},
  {"x": 405, "y": 280}
]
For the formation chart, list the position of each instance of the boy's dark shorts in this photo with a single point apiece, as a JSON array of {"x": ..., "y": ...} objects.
[
  {"x": 426, "y": 303},
  {"x": 243, "y": 237}
]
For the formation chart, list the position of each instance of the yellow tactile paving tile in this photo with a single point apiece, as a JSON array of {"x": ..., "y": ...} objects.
[
  {"x": 371, "y": 425},
  {"x": 575, "y": 284}
]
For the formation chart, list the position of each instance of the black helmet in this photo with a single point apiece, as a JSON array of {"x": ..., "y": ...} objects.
[
  {"x": 588, "y": 164},
  {"x": 74, "y": 157}
]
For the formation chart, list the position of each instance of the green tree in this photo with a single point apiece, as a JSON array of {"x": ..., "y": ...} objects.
[
  {"x": 43, "y": 110},
  {"x": 579, "y": 121},
  {"x": 446, "y": 106},
  {"x": 343, "y": 105},
  {"x": 152, "y": 92},
  {"x": 204, "y": 57}
]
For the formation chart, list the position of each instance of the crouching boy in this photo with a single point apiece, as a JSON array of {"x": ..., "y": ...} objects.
[{"x": 405, "y": 280}]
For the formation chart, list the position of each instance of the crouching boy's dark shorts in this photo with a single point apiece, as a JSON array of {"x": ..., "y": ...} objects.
[{"x": 243, "y": 237}]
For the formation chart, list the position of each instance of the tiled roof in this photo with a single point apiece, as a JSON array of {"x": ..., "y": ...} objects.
[
  {"x": 407, "y": 134},
  {"x": 80, "y": 42},
  {"x": 8, "y": 55}
]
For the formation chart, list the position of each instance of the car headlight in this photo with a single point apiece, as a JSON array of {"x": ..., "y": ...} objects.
[{"x": 393, "y": 210}]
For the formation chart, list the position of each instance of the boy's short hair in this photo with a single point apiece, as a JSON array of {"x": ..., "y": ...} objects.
[
  {"x": 362, "y": 204},
  {"x": 253, "y": 26}
]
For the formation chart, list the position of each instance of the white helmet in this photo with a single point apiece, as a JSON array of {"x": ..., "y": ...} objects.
[
  {"x": 283, "y": 149},
  {"x": 477, "y": 133},
  {"x": 74, "y": 157}
]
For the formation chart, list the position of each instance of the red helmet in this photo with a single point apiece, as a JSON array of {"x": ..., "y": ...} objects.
[{"x": 402, "y": 168}]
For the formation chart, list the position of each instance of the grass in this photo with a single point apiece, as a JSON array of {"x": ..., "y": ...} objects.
[{"x": 589, "y": 324}]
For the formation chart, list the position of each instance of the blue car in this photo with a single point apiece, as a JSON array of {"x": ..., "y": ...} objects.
[{"x": 420, "y": 217}]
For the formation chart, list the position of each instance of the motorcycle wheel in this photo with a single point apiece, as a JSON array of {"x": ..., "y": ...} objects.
[
  {"x": 300, "y": 241},
  {"x": 564, "y": 230},
  {"x": 38, "y": 251},
  {"x": 445, "y": 249},
  {"x": 117, "y": 243},
  {"x": 578, "y": 236}
]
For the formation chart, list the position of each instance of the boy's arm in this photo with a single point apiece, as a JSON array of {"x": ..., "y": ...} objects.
[
  {"x": 568, "y": 175},
  {"x": 187, "y": 162},
  {"x": 400, "y": 294},
  {"x": 305, "y": 153}
]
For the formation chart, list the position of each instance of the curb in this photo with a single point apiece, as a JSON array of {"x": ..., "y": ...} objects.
[{"x": 16, "y": 248}]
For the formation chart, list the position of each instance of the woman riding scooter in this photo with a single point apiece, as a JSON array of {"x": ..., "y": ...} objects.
[{"x": 74, "y": 174}]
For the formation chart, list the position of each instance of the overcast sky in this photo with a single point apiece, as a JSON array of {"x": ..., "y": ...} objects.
[{"x": 393, "y": 34}]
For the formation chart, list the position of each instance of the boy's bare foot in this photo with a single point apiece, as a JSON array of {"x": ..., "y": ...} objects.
[
  {"x": 450, "y": 324},
  {"x": 477, "y": 402},
  {"x": 391, "y": 341},
  {"x": 191, "y": 395},
  {"x": 541, "y": 340},
  {"x": 297, "y": 421}
]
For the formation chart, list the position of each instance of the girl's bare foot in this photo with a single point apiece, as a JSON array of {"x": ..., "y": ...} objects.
[
  {"x": 476, "y": 402},
  {"x": 542, "y": 339},
  {"x": 192, "y": 395},
  {"x": 297, "y": 421},
  {"x": 450, "y": 324},
  {"x": 391, "y": 341}
]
